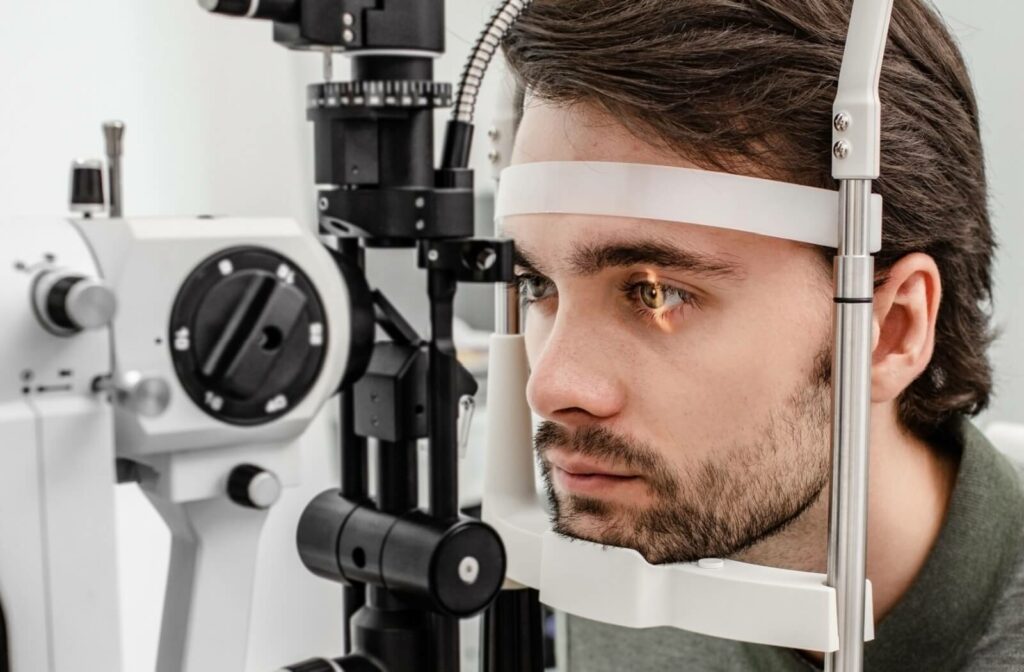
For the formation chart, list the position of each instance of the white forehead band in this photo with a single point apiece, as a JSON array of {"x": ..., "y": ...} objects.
[{"x": 722, "y": 200}]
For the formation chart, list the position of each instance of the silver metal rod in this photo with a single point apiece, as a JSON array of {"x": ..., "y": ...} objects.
[
  {"x": 851, "y": 384},
  {"x": 113, "y": 135},
  {"x": 506, "y": 308},
  {"x": 328, "y": 66}
]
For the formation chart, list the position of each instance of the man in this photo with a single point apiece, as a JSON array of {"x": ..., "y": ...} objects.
[{"x": 683, "y": 372}]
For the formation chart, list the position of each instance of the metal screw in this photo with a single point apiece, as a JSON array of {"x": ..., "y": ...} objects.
[
  {"x": 420, "y": 202},
  {"x": 493, "y": 156},
  {"x": 493, "y": 133},
  {"x": 469, "y": 570},
  {"x": 433, "y": 255},
  {"x": 323, "y": 203},
  {"x": 347, "y": 19},
  {"x": 420, "y": 225},
  {"x": 485, "y": 260},
  {"x": 348, "y": 35},
  {"x": 841, "y": 150},
  {"x": 842, "y": 121}
]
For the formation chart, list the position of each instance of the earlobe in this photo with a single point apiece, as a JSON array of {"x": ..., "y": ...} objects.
[{"x": 906, "y": 308}]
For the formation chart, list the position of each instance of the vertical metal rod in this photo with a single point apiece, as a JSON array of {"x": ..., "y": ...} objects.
[
  {"x": 354, "y": 474},
  {"x": 444, "y": 464},
  {"x": 113, "y": 135},
  {"x": 397, "y": 490},
  {"x": 851, "y": 382},
  {"x": 506, "y": 308},
  {"x": 328, "y": 66},
  {"x": 444, "y": 452}
]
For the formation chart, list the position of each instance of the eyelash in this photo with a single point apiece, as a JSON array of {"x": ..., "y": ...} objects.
[{"x": 629, "y": 288}]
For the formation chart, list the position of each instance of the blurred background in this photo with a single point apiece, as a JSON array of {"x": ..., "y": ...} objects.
[{"x": 215, "y": 113}]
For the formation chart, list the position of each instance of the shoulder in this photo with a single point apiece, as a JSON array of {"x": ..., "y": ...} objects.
[
  {"x": 1001, "y": 648},
  {"x": 598, "y": 647}
]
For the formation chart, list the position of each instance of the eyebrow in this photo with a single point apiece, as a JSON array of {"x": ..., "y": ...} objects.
[{"x": 590, "y": 259}]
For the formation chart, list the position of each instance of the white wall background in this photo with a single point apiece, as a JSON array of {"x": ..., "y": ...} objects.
[
  {"x": 216, "y": 124},
  {"x": 988, "y": 35}
]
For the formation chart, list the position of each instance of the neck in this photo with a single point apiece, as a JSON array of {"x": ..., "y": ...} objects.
[{"x": 908, "y": 494}]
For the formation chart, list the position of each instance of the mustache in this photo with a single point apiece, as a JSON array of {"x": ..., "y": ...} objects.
[{"x": 603, "y": 444}]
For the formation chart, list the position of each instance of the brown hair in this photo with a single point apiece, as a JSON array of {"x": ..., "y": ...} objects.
[{"x": 733, "y": 84}]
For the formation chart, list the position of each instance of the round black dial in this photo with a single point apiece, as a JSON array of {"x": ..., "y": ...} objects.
[{"x": 248, "y": 335}]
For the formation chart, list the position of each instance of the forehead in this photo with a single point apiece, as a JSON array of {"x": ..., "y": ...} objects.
[{"x": 582, "y": 132}]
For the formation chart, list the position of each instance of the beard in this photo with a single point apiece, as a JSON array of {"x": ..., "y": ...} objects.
[{"x": 721, "y": 505}]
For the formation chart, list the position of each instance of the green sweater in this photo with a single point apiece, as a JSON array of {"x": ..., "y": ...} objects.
[{"x": 964, "y": 612}]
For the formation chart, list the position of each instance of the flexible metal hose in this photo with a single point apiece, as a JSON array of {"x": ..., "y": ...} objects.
[{"x": 480, "y": 57}]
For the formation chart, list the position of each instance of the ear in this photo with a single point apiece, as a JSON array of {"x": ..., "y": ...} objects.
[{"x": 906, "y": 306}]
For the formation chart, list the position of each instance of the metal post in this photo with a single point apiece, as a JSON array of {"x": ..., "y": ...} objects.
[
  {"x": 113, "y": 133},
  {"x": 506, "y": 308},
  {"x": 851, "y": 382}
]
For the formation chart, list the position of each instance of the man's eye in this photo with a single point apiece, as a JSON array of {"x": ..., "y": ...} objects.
[
  {"x": 655, "y": 300},
  {"x": 534, "y": 287},
  {"x": 660, "y": 297}
]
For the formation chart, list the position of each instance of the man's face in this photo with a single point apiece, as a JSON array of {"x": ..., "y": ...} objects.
[{"x": 681, "y": 370}]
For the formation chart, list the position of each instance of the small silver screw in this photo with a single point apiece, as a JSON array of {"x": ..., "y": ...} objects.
[
  {"x": 347, "y": 19},
  {"x": 469, "y": 570},
  {"x": 841, "y": 150},
  {"x": 420, "y": 202},
  {"x": 493, "y": 156},
  {"x": 842, "y": 121},
  {"x": 485, "y": 260},
  {"x": 420, "y": 225},
  {"x": 348, "y": 35},
  {"x": 493, "y": 133},
  {"x": 433, "y": 255},
  {"x": 323, "y": 203}
]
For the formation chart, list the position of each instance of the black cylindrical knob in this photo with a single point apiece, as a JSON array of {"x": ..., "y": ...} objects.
[
  {"x": 456, "y": 570},
  {"x": 87, "y": 186},
  {"x": 319, "y": 531},
  {"x": 67, "y": 303},
  {"x": 253, "y": 487}
]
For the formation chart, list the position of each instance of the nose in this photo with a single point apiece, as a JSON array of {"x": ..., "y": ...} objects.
[{"x": 575, "y": 378}]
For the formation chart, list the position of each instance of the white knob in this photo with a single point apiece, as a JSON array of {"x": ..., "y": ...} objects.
[{"x": 148, "y": 396}]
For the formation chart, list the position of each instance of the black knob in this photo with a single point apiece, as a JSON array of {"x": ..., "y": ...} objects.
[
  {"x": 87, "y": 187},
  {"x": 248, "y": 335},
  {"x": 67, "y": 303},
  {"x": 253, "y": 487}
]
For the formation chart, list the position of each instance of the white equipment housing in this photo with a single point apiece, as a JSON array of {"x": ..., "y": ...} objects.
[
  {"x": 58, "y": 565},
  {"x": 58, "y": 569}
]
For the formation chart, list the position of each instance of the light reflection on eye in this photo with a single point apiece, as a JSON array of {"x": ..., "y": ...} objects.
[{"x": 656, "y": 302}]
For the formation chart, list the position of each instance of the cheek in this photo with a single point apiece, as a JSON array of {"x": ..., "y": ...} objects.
[
  {"x": 717, "y": 386},
  {"x": 536, "y": 330}
]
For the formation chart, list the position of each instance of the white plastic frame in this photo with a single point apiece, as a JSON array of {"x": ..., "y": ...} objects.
[{"x": 673, "y": 194}]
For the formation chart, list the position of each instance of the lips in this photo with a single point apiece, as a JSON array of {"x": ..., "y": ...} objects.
[
  {"x": 579, "y": 475},
  {"x": 578, "y": 465}
]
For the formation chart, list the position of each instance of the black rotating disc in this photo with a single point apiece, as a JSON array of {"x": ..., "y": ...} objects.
[{"x": 248, "y": 335}]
